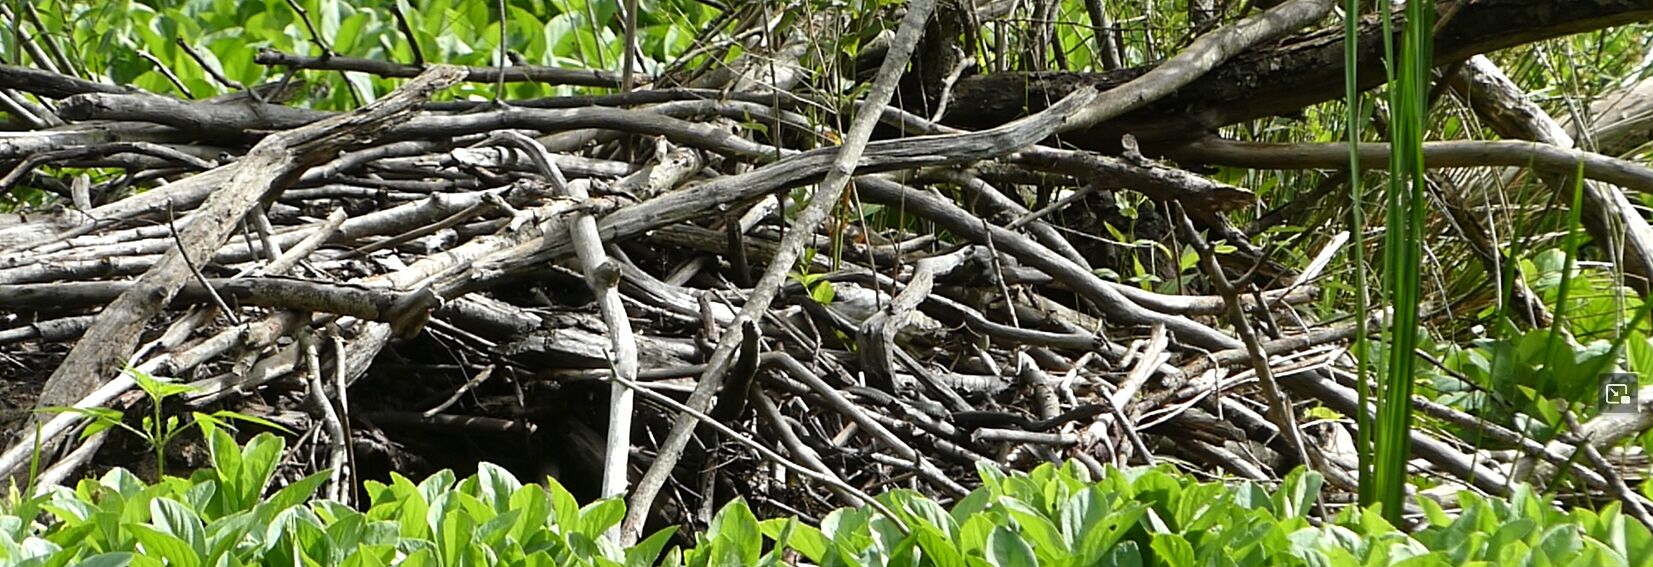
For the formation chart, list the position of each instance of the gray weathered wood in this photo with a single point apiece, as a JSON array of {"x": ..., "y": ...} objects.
[{"x": 272, "y": 163}]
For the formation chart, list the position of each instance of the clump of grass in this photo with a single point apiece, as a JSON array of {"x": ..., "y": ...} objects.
[{"x": 1409, "y": 67}]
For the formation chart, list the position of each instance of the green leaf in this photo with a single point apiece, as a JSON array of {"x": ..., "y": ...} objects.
[
  {"x": 973, "y": 534},
  {"x": 1127, "y": 554},
  {"x": 1638, "y": 351},
  {"x": 434, "y": 486},
  {"x": 1173, "y": 550},
  {"x": 805, "y": 539},
  {"x": 937, "y": 548},
  {"x": 346, "y": 530},
  {"x": 497, "y": 485},
  {"x": 1100, "y": 541},
  {"x": 421, "y": 558},
  {"x": 158, "y": 389},
  {"x": 970, "y": 505},
  {"x": 1046, "y": 539},
  {"x": 601, "y": 515},
  {"x": 737, "y": 525},
  {"x": 534, "y": 511},
  {"x": 176, "y": 519},
  {"x": 645, "y": 552},
  {"x": 223, "y": 416},
  {"x": 258, "y": 461},
  {"x": 101, "y": 418},
  {"x": 566, "y": 509},
  {"x": 916, "y": 509},
  {"x": 403, "y": 503},
  {"x": 116, "y": 559},
  {"x": 823, "y": 292},
  {"x": 1298, "y": 492},
  {"x": 1189, "y": 259},
  {"x": 297, "y": 492},
  {"x": 1006, "y": 549},
  {"x": 454, "y": 536},
  {"x": 370, "y": 556},
  {"x": 161, "y": 544}
]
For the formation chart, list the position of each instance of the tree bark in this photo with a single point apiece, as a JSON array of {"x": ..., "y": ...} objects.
[{"x": 1280, "y": 77}]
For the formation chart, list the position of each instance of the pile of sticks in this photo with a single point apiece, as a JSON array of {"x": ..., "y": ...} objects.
[{"x": 413, "y": 278}]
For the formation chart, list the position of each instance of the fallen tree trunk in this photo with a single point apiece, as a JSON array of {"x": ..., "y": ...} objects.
[{"x": 1281, "y": 77}]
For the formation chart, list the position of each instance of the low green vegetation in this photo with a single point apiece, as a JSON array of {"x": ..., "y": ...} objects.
[
  {"x": 1530, "y": 378},
  {"x": 149, "y": 44},
  {"x": 1051, "y": 516}
]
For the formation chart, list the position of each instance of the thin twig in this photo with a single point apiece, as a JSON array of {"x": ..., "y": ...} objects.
[
  {"x": 166, "y": 72},
  {"x": 407, "y": 32},
  {"x": 1615, "y": 482},
  {"x": 211, "y": 70},
  {"x": 504, "y": 51},
  {"x": 475, "y": 381},
  {"x": 260, "y": 219},
  {"x": 329, "y": 418},
  {"x": 172, "y": 228},
  {"x": 341, "y": 388},
  {"x": 1279, "y": 405},
  {"x": 630, "y": 58}
]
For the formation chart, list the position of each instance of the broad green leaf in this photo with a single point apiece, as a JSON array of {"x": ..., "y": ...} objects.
[
  {"x": 436, "y": 485},
  {"x": 421, "y": 558},
  {"x": 157, "y": 543},
  {"x": 974, "y": 533},
  {"x": 599, "y": 516},
  {"x": 117, "y": 559},
  {"x": 1126, "y": 554},
  {"x": 647, "y": 551},
  {"x": 497, "y": 485},
  {"x": 937, "y": 548},
  {"x": 370, "y": 556},
  {"x": 454, "y": 536},
  {"x": 176, "y": 519},
  {"x": 1038, "y": 530},
  {"x": 1173, "y": 550},
  {"x": 915, "y": 508},
  {"x": 1100, "y": 541},
  {"x": 1007, "y": 549},
  {"x": 1298, "y": 492},
  {"x": 296, "y": 493},
  {"x": 566, "y": 510},
  {"x": 737, "y": 525},
  {"x": 533, "y": 509}
]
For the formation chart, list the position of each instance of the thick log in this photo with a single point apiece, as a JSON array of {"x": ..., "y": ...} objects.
[
  {"x": 1283, "y": 76},
  {"x": 344, "y": 299}
]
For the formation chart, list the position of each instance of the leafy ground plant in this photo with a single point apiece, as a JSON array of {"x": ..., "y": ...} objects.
[
  {"x": 157, "y": 429},
  {"x": 1051, "y": 516}
]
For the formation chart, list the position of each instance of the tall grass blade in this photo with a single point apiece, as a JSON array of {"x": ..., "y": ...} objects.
[
  {"x": 1403, "y": 251},
  {"x": 1570, "y": 252},
  {"x": 1355, "y": 120}
]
